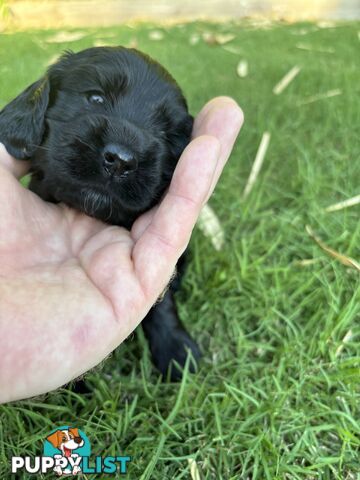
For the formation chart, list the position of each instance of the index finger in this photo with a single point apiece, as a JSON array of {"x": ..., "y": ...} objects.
[
  {"x": 157, "y": 250},
  {"x": 168, "y": 232},
  {"x": 222, "y": 118}
]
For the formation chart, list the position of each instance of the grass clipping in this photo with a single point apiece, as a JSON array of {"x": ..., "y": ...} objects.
[
  {"x": 256, "y": 167},
  {"x": 345, "y": 260},
  {"x": 350, "y": 202},
  {"x": 210, "y": 226}
]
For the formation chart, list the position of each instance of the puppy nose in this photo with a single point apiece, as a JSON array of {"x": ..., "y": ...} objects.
[
  {"x": 119, "y": 159},
  {"x": 78, "y": 440}
]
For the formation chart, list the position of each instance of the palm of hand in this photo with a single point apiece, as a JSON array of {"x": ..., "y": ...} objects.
[{"x": 69, "y": 260}]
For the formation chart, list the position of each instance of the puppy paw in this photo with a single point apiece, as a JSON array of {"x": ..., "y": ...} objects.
[{"x": 175, "y": 348}]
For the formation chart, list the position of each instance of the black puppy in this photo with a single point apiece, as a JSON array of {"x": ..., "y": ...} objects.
[{"x": 104, "y": 129}]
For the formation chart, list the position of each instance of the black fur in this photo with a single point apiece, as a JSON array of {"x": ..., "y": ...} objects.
[{"x": 69, "y": 124}]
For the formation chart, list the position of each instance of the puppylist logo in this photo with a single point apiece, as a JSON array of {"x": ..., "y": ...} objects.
[{"x": 67, "y": 452}]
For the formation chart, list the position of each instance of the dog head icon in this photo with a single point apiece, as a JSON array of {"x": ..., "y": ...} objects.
[{"x": 66, "y": 440}]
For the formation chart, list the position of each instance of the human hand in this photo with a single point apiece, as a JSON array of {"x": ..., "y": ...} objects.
[{"x": 72, "y": 288}]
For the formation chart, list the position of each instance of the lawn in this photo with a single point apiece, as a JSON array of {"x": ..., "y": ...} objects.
[{"x": 277, "y": 318}]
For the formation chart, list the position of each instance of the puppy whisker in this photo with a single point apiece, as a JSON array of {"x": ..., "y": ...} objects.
[
  {"x": 41, "y": 147},
  {"x": 110, "y": 202},
  {"x": 80, "y": 140}
]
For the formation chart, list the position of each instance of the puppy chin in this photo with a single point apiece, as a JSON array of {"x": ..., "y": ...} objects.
[
  {"x": 116, "y": 200},
  {"x": 96, "y": 204}
]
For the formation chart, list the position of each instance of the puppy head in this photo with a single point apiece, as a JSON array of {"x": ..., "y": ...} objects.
[{"x": 103, "y": 129}]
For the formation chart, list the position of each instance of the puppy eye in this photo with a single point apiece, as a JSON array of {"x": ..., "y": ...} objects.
[{"x": 96, "y": 98}]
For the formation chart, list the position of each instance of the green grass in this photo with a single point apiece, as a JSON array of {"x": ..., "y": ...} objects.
[{"x": 272, "y": 400}]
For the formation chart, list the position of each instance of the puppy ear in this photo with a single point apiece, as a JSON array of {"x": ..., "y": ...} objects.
[
  {"x": 54, "y": 439},
  {"x": 74, "y": 431},
  {"x": 22, "y": 120}
]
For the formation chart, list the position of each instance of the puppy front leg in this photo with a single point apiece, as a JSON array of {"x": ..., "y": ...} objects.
[{"x": 168, "y": 339}]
